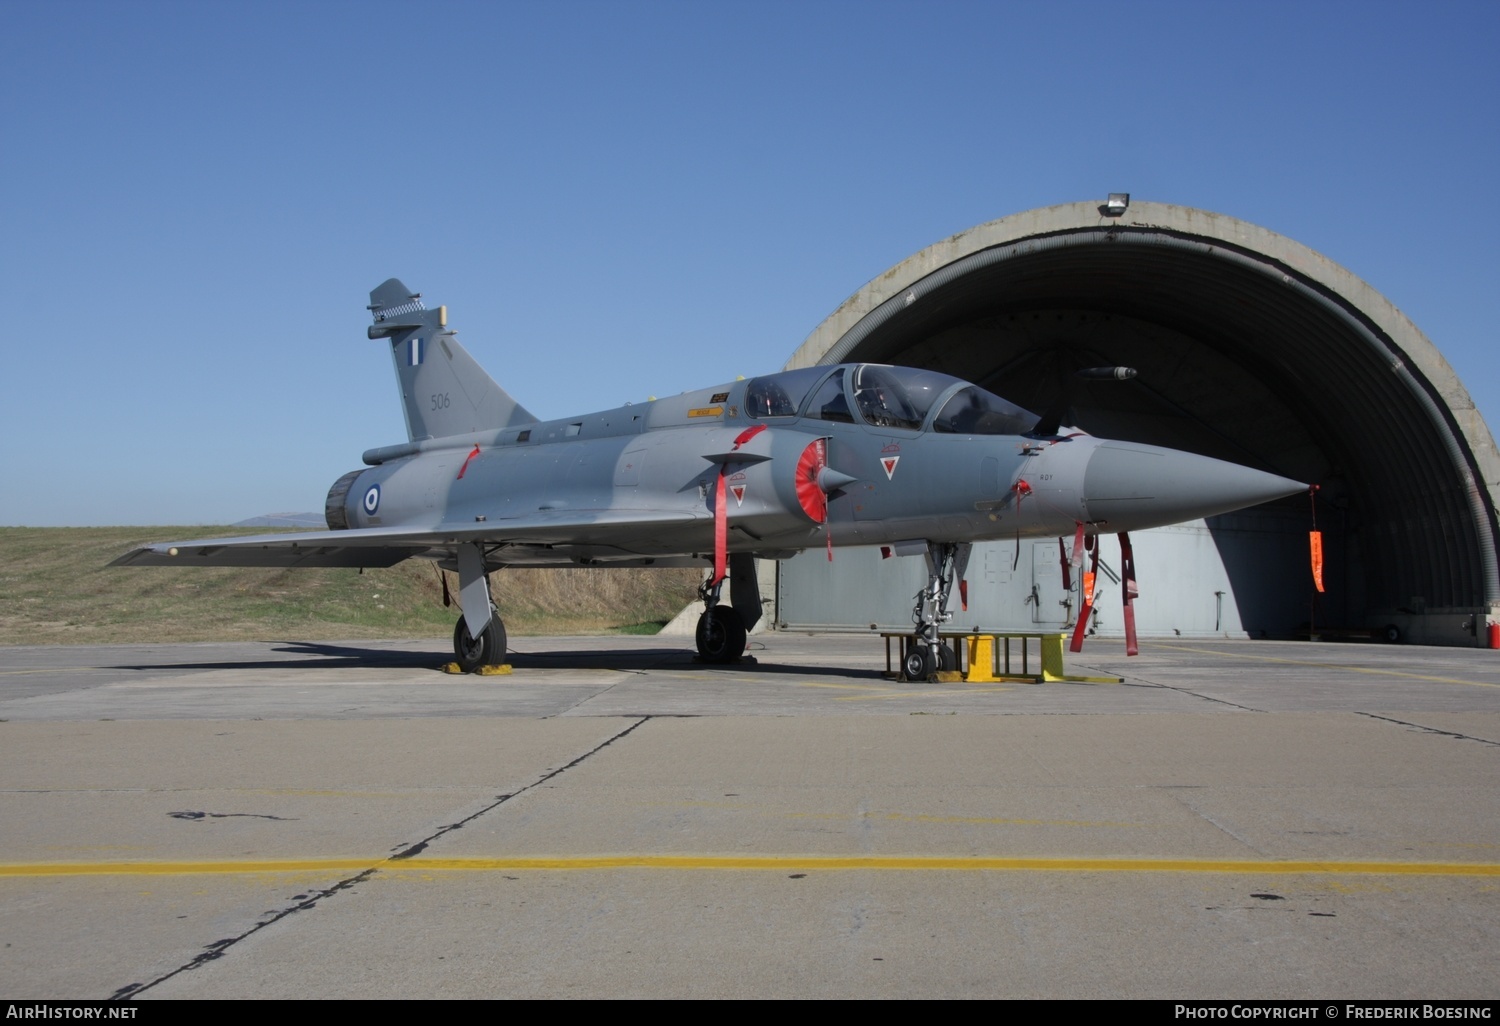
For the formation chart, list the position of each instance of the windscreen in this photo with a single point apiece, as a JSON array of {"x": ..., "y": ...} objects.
[{"x": 780, "y": 395}]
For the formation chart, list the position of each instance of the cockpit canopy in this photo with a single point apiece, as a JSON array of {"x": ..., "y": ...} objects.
[{"x": 886, "y": 397}]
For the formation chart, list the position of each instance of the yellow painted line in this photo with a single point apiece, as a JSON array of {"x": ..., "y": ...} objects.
[
  {"x": 920, "y": 863},
  {"x": 1328, "y": 666}
]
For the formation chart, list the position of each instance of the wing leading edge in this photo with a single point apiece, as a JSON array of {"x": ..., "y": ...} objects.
[{"x": 387, "y": 546}]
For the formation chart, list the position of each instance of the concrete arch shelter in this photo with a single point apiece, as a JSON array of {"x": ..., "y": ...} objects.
[{"x": 1250, "y": 347}]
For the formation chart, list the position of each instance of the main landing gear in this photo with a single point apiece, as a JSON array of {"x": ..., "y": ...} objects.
[
  {"x": 722, "y": 629},
  {"x": 926, "y": 654},
  {"x": 488, "y": 649},
  {"x": 475, "y": 649},
  {"x": 721, "y": 635}
]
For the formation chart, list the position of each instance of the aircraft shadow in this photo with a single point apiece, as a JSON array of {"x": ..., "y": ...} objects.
[
  {"x": 316, "y": 655},
  {"x": 684, "y": 658}
]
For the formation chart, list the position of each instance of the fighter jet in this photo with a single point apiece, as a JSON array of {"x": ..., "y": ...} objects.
[{"x": 916, "y": 461}]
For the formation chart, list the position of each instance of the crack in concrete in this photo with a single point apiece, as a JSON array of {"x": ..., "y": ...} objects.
[
  {"x": 1430, "y": 730},
  {"x": 500, "y": 800},
  {"x": 1184, "y": 691},
  {"x": 1207, "y": 818},
  {"x": 217, "y": 949}
]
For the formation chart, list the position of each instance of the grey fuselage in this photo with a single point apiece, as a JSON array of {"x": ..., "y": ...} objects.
[{"x": 647, "y": 475}]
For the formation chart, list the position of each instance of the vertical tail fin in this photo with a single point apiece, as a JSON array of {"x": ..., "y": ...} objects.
[{"x": 443, "y": 391}]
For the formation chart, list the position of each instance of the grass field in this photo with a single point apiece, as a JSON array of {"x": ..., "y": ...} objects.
[{"x": 55, "y": 588}]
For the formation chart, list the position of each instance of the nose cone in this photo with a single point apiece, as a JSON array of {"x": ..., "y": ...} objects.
[{"x": 1132, "y": 487}]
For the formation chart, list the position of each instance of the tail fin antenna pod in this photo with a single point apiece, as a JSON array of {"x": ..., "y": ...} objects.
[{"x": 443, "y": 390}]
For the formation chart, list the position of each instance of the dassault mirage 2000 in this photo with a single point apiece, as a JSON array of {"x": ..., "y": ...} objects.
[{"x": 855, "y": 454}]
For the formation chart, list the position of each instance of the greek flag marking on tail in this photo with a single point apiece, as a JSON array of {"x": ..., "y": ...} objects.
[{"x": 414, "y": 351}]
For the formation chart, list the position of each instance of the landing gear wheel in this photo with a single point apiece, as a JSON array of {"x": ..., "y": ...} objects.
[
  {"x": 721, "y": 635},
  {"x": 918, "y": 664},
  {"x": 947, "y": 661},
  {"x": 1390, "y": 634},
  {"x": 486, "y": 650}
]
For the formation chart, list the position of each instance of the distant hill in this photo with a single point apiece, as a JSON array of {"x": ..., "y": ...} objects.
[
  {"x": 58, "y": 589},
  {"x": 284, "y": 520}
]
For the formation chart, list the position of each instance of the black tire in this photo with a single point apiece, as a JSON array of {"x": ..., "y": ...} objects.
[
  {"x": 1390, "y": 634},
  {"x": 947, "y": 661},
  {"x": 486, "y": 650},
  {"x": 721, "y": 635},
  {"x": 918, "y": 663}
]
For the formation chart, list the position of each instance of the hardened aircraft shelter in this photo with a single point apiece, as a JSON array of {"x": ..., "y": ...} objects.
[{"x": 1250, "y": 347}]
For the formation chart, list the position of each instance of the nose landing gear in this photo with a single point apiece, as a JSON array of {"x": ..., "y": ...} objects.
[{"x": 926, "y": 655}]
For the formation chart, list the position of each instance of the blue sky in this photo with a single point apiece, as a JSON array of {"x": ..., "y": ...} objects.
[{"x": 619, "y": 199}]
